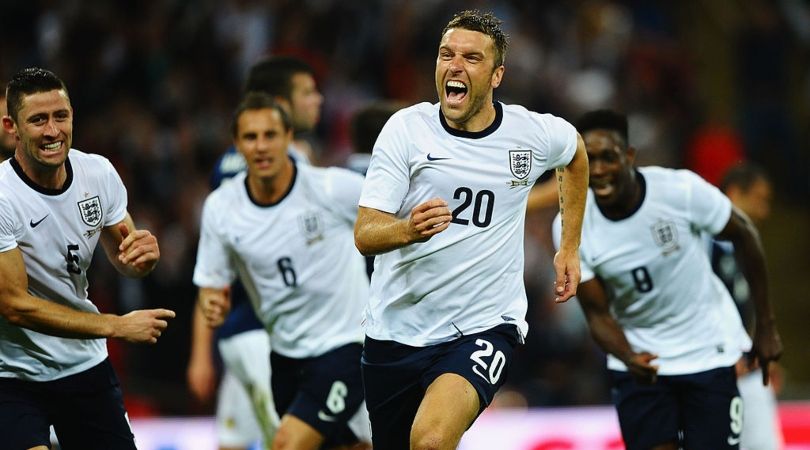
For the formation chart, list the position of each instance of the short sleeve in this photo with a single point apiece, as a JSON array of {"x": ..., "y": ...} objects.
[
  {"x": 213, "y": 268},
  {"x": 342, "y": 190},
  {"x": 388, "y": 177},
  {"x": 586, "y": 271},
  {"x": 709, "y": 208},
  {"x": 562, "y": 141},
  {"x": 8, "y": 239},
  {"x": 117, "y": 196}
]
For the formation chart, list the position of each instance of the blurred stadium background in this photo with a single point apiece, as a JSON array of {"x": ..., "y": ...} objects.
[{"x": 705, "y": 83}]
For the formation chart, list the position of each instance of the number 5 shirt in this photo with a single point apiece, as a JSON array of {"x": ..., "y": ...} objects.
[
  {"x": 56, "y": 230},
  {"x": 468, "y": 278},
  {"x": 659, "y": 279}
]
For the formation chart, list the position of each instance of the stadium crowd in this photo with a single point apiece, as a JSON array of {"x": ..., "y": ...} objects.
[{"x": 154, "y": 83}]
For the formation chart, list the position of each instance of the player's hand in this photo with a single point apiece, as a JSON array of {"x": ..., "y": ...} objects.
[
  {"x": 641, "y": 369},
  {"x": 215, "y": 305},
  {"x": 566, "y": 266},
  {"x": 138, "y": 250},
  {"x": 429, "y": 218},
  {"x": 202, "y": 378},
  {"x": 143, "y": 326},
  {"x": 767, "y": 347}
]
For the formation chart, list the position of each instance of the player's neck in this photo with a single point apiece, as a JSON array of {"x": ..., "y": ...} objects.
[
  {"x": 630, "y": 201},
  {"x": 479, "y": 121},
  {"x": 47, "y": 177},
  {"x": 270, "y": 190}
]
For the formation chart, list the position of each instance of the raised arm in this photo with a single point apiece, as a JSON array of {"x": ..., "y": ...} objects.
[
  {"x": 378, "y": 232},
  {"x": 609, "y": 334},
  {"x": 134, "y": 253},
  {"x": 24, "y": 310},
  {"x": 751, "y": 259},
  {"x": 573, "y": 184}
]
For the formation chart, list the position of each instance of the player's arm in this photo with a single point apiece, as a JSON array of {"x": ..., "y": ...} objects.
[
  {"x": 201, "y": 374},
  {"x": 215, "y": 304},
  {"x": 751, "y": 259},
  {"x": 133, "y": 252},
  {"x": 607, "y": 332},
  {"x": 378, "y": 232},
  {"x": 24, "y": 310},
  {"x": 573, "y": 186}
]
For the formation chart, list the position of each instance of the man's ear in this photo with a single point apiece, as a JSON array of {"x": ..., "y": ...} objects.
[
  {"x": 497, "y": 76},
  {"x": 630, "y": 152},
  {"x": 8, "y": 125}
]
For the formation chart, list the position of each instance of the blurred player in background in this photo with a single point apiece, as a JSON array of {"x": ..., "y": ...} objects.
[
  {"x": 443, "y": 208},
  {"x": 56, "y": 204},
  {"x": 285, "y": 229},
  {"x": 245, "y": 408},
  {"x": 291, "y": 82},
  {"x": 366, "y": 125},
  {"x": 749, "y": 189},
  {"x": 653, "y": 303}
]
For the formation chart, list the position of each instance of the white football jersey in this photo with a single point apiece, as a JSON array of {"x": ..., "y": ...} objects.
[
  {"x": 57, "y": 232},
  {"x": 658, "y": 276},
  {"x": 468, "y": 278},
  {"x": 296, "y": 258}
]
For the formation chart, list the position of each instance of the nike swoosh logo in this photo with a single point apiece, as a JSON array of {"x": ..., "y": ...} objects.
[
  {"x": 478, "y": 372},
  {"x": 326, "y": 417},
  {"x": 733, "y": 440},
  {"x": 34, "y": 224},
  {"x": 434, "y": 158}
]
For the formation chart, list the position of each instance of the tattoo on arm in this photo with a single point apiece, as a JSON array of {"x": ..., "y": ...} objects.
[{"x": 560, "y": 172}]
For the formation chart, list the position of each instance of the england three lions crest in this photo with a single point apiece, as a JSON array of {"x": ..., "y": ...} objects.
[
  {"x": 665, "y": 234},
  {"x": 91, "y": 211},
  {"x": 520, "y": 163},
  {"x": 311, "y": 225}
]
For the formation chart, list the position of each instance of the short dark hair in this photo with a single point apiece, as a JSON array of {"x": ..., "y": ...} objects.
[
  {"x": 274, "y": 75},
  {"x": 367, "y": 123},
  {"x": 29, "y": 81},
  {"x": 743, "y": 175},
  {"x": 259, "y": 100},
  {"x": 604, "y": 119},
  {"x": 486, "y": 23}
]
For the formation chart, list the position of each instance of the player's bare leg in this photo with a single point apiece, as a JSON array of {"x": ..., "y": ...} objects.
[
  {"x": 295, "y": 434},
  {"x": 450, "y": 405}
]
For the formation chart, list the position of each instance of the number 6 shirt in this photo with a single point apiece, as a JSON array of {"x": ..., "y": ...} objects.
[
  {"x": 468, "y": 278},
  {"x": 296, "y": 258}
]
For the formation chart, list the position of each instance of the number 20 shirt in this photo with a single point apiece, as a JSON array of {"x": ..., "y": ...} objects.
[{"x": 468, "y": 278}]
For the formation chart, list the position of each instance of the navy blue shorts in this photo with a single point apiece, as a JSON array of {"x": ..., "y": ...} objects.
[
  {"x": 396, "y": 377},
  {"x": 324, "y": 391},
  {"x": 85, "y": 409},
  {"x": 699, "y": 411}
]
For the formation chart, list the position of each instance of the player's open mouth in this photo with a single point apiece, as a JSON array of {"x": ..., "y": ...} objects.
[
  {"x": 263, "y": 163},
  {"x": 51, "y": 147},
  {"x": 602, "y": 189},
  {"x": 456, "y": 92}
]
